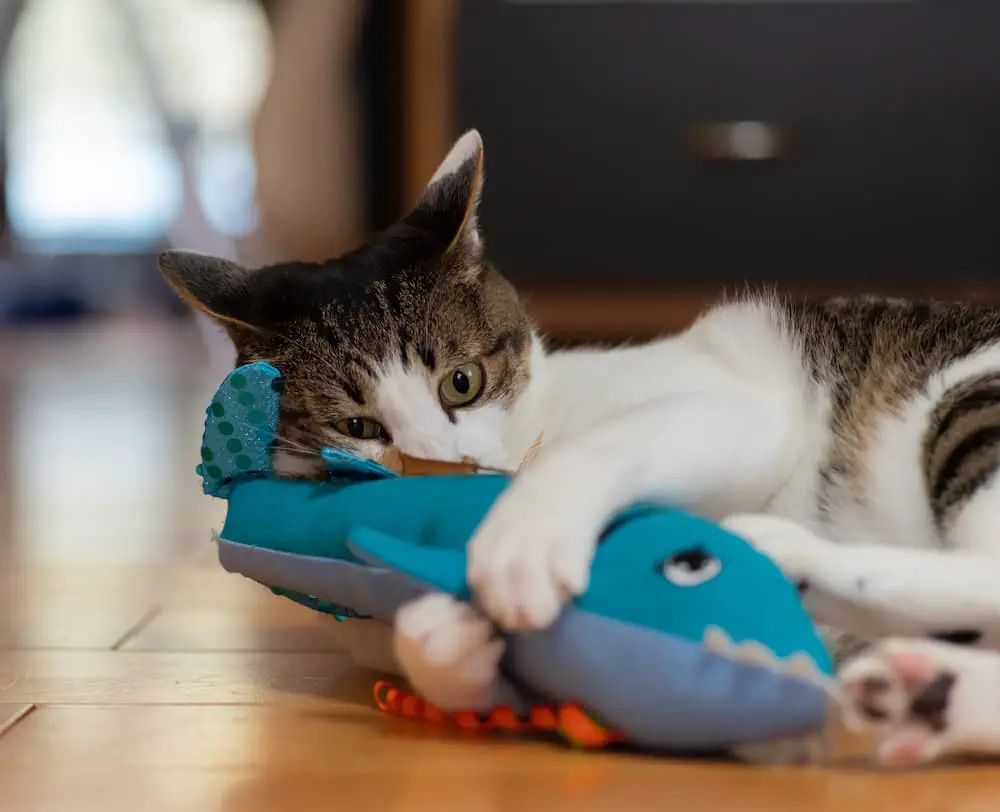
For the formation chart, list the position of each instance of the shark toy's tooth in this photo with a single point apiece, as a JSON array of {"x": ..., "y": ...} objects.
[
  {"x": 717, "y": 640},
  {"x": 803, "y": 666},
  {"x": 800, "y": 665},
  {"x": 756, "y": 654}
]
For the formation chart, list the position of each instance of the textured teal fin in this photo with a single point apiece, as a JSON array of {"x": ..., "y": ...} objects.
[
  {"x": 436, "y": 567},
  {"x": 240, "y": 426}
]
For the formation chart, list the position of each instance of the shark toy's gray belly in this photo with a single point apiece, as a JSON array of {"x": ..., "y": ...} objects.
[{"x": 661, "y": 691}]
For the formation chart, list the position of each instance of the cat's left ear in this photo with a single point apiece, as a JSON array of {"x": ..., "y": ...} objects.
[
  {"x": 447, "y": 209},
  {"x": 215, "y": 286}
]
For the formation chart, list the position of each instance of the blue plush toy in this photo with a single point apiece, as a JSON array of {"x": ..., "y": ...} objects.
[{"x": 687, "y": 639}]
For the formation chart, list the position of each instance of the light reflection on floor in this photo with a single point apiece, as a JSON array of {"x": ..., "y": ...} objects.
[
  {"x": 100, "y": 428},
  {"x": 100, "y": 457}
]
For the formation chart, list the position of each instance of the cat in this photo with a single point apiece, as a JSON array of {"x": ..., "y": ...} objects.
[{"x": 855, "y": 441}]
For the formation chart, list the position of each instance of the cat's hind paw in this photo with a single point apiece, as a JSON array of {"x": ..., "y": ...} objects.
[
  {"x": 448, "y": 651},
  {"x": 924, "y": 700}
]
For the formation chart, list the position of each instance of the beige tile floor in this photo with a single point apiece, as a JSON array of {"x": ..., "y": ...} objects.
[{"x": 134, "y": 673}]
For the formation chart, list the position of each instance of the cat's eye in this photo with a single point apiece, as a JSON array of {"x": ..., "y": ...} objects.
[
  {"x": 462, "y": 385},
  {"x": 691, "y": 567},
  {"x": 361, "y": 428}
]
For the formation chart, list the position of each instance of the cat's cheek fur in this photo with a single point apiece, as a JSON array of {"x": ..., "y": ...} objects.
[{"x": 479, "y": 434}]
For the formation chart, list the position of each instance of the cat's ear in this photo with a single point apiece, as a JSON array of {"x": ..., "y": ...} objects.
[
  {"x": 214, "y": 286},
  {"x": 447, "y": 209}
]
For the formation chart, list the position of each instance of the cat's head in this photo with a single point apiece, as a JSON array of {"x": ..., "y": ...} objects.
[{"x": 413, "y": 339}]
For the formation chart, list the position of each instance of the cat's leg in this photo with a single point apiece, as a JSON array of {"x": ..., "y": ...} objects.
[
  {"x": 882, "y": 590},
  {"x": 449, "y": 652},
  {"x": 711, "y": 452},
  {"x": 795, "y": 548},
  {"x": 924, "y": 700},
  {"x": 800, "y": 554}
]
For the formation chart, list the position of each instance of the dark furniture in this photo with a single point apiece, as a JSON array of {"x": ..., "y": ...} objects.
[{"x": 887, "y": 171}]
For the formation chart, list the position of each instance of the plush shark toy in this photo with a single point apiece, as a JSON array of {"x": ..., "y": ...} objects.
[{"x": 687, "y": 639}]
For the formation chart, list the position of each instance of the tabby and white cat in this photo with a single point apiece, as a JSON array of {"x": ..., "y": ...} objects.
[{"x": 855, "y": 441}]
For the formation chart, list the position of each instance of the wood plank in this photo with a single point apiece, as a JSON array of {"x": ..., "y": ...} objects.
[
  {"x": 208, "y": 609},
  {"x": 272, "y": 624},
  {"x": 63, "y": 626},
  {"x": 10, "y": 715},
  {"x": 82, "y": 605},
  {"x": 128, "y": 678},
  {"x": 257, "y": 758}
]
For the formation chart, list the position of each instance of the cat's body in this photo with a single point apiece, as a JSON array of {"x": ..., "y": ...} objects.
[
  {"x": 855, "y": 441},
  {"x": 875, "y": 395}
]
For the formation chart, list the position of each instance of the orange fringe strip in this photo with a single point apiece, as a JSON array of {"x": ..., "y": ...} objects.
[{"x": 569, "y": 720}]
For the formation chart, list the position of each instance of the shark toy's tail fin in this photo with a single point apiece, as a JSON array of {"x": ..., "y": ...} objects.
[{"x": 438, "y": 568}]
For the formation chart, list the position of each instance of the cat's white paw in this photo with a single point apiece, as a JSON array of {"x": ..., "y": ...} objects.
[
  {"x": 801, "y": 554},
  {"x": 448, "y": 651},
  {"x": 924, "y": 699},
  {"x": 533, "y": 552}
]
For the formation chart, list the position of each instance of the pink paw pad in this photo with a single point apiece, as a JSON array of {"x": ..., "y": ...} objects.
[{"x": 912, "y": 669}]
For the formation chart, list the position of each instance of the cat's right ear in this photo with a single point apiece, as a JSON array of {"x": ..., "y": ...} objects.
[
  {"x": 447, "y": 208},
  {"x": 216, "y": 287}
]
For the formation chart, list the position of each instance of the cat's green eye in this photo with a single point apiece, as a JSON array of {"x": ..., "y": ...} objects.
[
  {"x": 462, "y": 385},
  {"x": 361, "y": 428}
]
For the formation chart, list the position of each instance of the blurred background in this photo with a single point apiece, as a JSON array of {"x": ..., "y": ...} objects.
[
  {"x": 653, "y": 152},
  {"x": 642, "y": 157}
]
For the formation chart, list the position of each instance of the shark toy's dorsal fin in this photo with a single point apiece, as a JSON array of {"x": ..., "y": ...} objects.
[{"x": 436, "y": 567}]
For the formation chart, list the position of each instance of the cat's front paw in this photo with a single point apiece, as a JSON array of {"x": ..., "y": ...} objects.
[
  {"x": 924, "y": 699},
  {"x": 802, "y": 556},
  {"x": 448, "y": 651},
  {"x": 533, "y": 552}
]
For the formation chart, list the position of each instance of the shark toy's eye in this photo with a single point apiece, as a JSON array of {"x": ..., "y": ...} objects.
[{"x": 691, "y": 567}]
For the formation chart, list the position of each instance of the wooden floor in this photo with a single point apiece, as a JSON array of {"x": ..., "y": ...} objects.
[{"x": 136, "y": 674}]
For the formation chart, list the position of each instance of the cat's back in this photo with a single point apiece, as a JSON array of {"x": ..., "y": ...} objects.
[
  {"x": 883, "y": 366},
  {"x": 852, "y": 348},
  {"x": 889, "y": 344}
]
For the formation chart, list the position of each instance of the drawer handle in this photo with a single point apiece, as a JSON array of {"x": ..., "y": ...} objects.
[{"x": 739, "y": 141}]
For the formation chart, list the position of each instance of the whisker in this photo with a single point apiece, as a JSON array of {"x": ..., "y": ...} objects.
[
  {"x": 301, "y": 452},
  {"x": 285, "y": 444}
]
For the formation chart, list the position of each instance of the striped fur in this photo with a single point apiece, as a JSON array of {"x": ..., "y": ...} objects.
[
  {"x": 962, "y": 445},
  {"x": 873, "y": 356}
]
